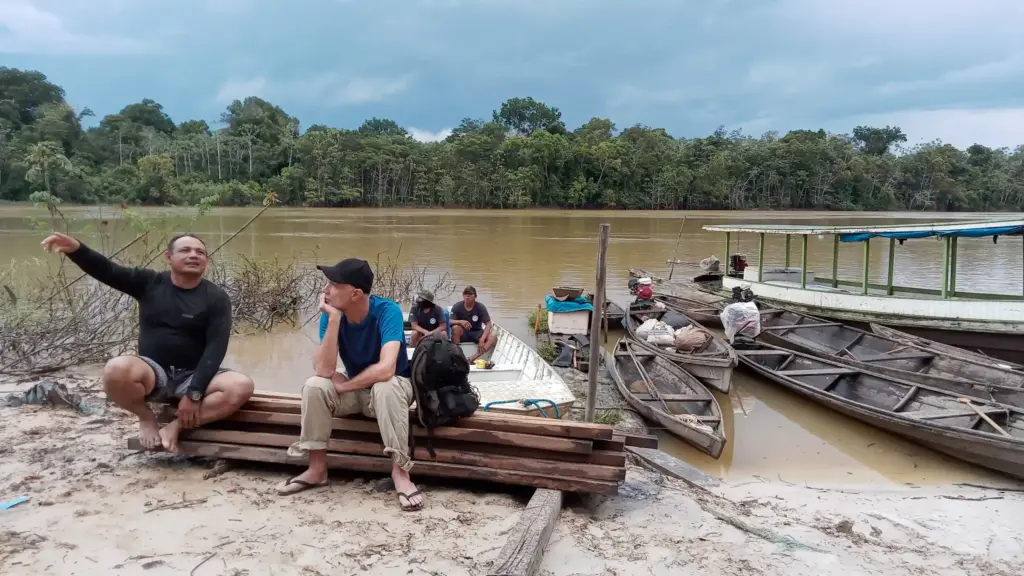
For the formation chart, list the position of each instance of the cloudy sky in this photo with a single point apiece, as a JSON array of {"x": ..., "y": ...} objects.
[{"x": 940, "y": 69}]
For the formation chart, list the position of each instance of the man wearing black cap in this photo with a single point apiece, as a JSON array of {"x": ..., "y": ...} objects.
[
  {"x": 367, "y": 332},
  {"x": 426, "y": 317}
]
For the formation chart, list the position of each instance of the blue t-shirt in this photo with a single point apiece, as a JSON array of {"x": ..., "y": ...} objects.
[{"x": 359, "y": 344}]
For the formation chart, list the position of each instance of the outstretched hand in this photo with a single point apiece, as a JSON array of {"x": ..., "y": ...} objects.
[{"x": 60, "y": 243}]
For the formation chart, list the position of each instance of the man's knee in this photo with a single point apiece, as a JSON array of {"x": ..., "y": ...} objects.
[
  {"x": 122, "y": 371},
  {"x": 394, "y": 392},
  {"x": 317, "y": 388},
  {"x": 237, "y": 386}
]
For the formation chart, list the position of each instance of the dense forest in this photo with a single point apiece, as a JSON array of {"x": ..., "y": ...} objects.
[{"x": 524, "y": 156}]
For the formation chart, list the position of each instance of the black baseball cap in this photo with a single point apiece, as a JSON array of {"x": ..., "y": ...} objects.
[{"x": 352, "y": 271}]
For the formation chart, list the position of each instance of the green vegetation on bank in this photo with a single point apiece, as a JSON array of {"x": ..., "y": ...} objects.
[{"x": 524, "y": 156}]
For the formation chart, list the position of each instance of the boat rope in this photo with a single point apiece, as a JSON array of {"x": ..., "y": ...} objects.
[
  {"x": 693, "y": 422},
  {"x": 528, "y": 402}
]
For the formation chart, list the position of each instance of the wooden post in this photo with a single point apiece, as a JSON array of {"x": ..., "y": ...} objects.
[
  {"x": 952, "y": 270},
  {"x": 867, "y": 267},
  {"x": 945, "y": 268},
  {"x": 835, "y": 260},
  {"x": 803, "y": 261},
  {"x": 892, "y": 263},
  {"x": 760, "y": 259},
  {"x": 595, "y": 323},
  {"x": 787, "y": 250},
  {"x": 524, "y": 548},
  {"x": 678, "y": 238},
  {"x": 728, "y": 237}
]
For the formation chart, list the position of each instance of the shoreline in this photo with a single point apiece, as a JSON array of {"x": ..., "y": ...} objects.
[{"x": 94, "y": 505}]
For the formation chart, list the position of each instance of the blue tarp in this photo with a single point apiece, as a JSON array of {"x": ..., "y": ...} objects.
[
  {"x": 580, "y": 303},
  {"x": 965, "y": 233}
]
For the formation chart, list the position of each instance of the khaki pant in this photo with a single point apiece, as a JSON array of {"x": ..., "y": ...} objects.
[{"x": 388, "y": 402}]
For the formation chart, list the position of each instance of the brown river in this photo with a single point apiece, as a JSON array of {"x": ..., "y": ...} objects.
[{"x": 514, "y": 257}]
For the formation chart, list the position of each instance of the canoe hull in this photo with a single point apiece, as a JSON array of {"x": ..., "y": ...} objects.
[
  {"x": 713, "y": 370},
  {"x": 711, "y": 444},
  {"x": 986, "y": 449}
]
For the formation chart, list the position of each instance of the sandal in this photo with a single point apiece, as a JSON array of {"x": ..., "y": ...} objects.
[
  {"x": 285, "y": 490},
  {"x": 408, "y": 498}
]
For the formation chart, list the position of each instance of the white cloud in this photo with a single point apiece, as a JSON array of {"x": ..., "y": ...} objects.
[
  {"x": 237, "y": 89},
  {"x": 980, "y": 73},
  {"x": 31, "y": 30},
  {"x": 961, "y": 127},
  {"x": 331, "y": 89},
  {"x": 427, "y": 135}
]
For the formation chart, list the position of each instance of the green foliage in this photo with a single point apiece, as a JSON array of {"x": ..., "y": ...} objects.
[
  {"x": 608, "y": 417},
  {"x": 522, "y": 157}
]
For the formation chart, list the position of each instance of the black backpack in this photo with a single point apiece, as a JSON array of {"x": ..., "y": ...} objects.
[{"x": 440, "y": 382}]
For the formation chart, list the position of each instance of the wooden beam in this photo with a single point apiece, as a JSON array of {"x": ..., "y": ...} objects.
[
  {"x": 908, "y": 356},
  {"x": 526, "y": 542},
  {"x": 819, "y": 372},
  {"x": 671, "y": 466},
  {"x": 673, "y": 398},
  {"x": 595, "y": 323},
  {"x": 803, "y": 262},
  {"x": 479, "y": 421},
  {"x": 552, "y": 443},
  {"x": 835, "y": 260},
  {"x": 809, "y": 325},
  {"x": 952, "y": 268},
  {"x": 867, "y": 266},
  {"x": 382, "y": 465},
  {"x": 760, "y": 258},
  {"x": 892, "y": 262},
  {"x": 787, "y": 249},
  {"x": 420, "y": 454},
  {"x": 945, "y": 268},
  {"x": 641, "y": 440},
  {"x": 728, "y": 239}
]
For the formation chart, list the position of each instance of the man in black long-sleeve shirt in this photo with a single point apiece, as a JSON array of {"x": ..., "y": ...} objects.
[{"x": 184, "y": 327}]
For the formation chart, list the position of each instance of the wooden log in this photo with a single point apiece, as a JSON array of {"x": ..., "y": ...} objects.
[
  {"x": 671, "y": 466},
  {"x": 480, "y": 421},
  {"x": 420, "y": 454},
  {"x": 616, "y": 444},
  {"x": 524, "y": 548},
  {"x": 383, "y": 466},
  {"x": 638, "y": 440},
  {"x": 552, "y": 443}
]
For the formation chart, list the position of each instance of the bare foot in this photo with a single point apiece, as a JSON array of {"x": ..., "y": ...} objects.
[
  {"x": 149, "y": 434},
  {"x": 169, "y": 436},
  {"x": 409, "y": 498}
]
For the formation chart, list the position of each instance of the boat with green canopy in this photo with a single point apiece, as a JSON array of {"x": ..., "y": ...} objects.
[{"x": 990, "y": 323}]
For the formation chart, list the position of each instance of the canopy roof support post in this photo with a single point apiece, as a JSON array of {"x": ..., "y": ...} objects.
[
  {"x": 760, "y": 258},
  {"x": 867, "y": 267},
  {"x": 892, "y": 263},
  {"x": 945, "y": 268},
  {"x": 835, "y": 260},
  {"x": 803, "y": 261},
  {"x": 787, "y": 250},
  {"x": 952, "y": 269},
  {"x": 728, "y": 238}
]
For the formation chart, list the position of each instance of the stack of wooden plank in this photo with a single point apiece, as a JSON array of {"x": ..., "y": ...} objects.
[{"x": 523, "y": 450}]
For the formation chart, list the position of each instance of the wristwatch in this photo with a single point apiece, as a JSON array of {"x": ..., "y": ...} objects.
[{"x": 195, "y": 395}]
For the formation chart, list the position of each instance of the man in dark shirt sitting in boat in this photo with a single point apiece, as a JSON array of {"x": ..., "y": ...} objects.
[
  {"x": 472, "y": 323},
  {"x": 184, "y": 327},
  {"x": 425, "y": 318}
]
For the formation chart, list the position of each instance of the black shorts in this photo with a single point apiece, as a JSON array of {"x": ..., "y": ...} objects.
[
  {"x": 170, "y": 386},
  {"x": 473, "y": 336}
]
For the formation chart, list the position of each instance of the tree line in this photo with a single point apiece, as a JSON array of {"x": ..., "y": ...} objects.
[{"x": 523, "y": 156}]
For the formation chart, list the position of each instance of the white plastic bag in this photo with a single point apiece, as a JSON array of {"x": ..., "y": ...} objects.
[
  {"x": 741, "y": 318},
  {"x": 656, "y": 332}
]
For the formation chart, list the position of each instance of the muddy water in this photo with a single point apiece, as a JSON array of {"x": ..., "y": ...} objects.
[{"x": 513, "y": 258}]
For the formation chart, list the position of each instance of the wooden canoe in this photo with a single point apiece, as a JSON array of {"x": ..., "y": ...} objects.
[
  {"x": 707, "y": 313},
  {"x": 921, "y": 342},
  {"x": 927, "y": 415},
  {"x": 849, "y": 345},
  {"x": 713, "y": 365},
  {"x": 664, "y": 393}
]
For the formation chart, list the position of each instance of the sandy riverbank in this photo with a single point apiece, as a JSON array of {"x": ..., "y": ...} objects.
[{"x": 96, "y": 507}]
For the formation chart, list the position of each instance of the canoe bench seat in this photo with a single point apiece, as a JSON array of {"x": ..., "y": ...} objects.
[{"x": 950, "y": 413}]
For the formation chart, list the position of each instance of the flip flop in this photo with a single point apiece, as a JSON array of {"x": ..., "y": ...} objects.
[
  {"x": 408, "y": 498},
  {"x": 284, "y": 490}
]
